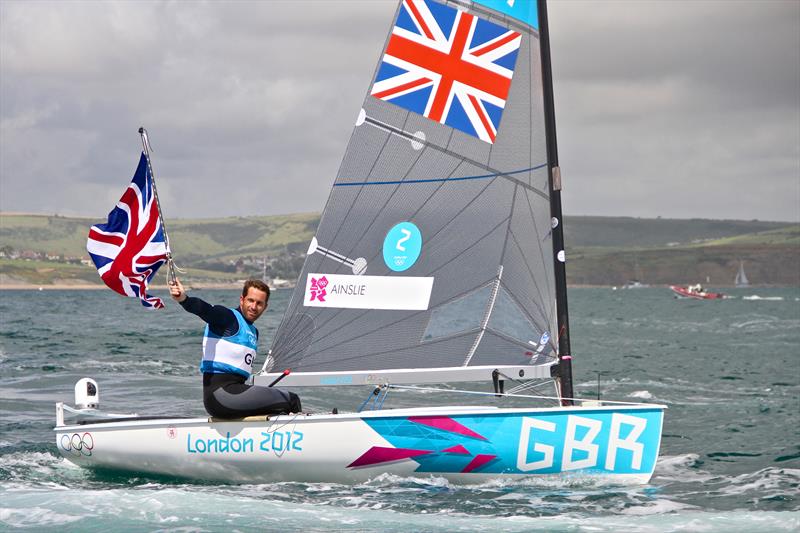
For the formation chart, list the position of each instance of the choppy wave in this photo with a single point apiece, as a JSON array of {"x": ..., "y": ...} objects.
[{"x": 161, "y": 508}]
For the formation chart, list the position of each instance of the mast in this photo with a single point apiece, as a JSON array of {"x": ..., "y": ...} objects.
[{"x": 554, "y": 172}]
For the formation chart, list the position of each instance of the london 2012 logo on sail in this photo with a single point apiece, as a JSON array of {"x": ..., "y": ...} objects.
[
  {"x": 402, "y": 246},
  {"x": 317, "y": 290}
]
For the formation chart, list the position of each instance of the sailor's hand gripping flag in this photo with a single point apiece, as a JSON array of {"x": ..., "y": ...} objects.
[{"x": 129, "y": 248}]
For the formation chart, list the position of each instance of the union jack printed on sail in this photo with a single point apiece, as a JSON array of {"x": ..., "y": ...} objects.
[
  {"x": 449, "y": 66},
  {"x": 130, "y": 247}
]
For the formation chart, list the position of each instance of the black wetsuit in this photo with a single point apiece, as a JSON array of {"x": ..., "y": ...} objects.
[{"x": 227, "y": 395}]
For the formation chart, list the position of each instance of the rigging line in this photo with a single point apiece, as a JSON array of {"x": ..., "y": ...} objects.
[
  {"x": 493, "y": 172},
  {"x": 528, "y": 385}
]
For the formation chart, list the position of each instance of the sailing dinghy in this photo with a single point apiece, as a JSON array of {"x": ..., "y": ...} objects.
[
  {"x": 439, "y": 259},
  {"x": 741, "y": 280}
]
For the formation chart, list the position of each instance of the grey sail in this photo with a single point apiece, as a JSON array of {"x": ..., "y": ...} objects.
[{"x": 434, "y": 249}]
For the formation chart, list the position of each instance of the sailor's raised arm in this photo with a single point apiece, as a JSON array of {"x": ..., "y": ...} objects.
[{"x": 219, "y": 318}]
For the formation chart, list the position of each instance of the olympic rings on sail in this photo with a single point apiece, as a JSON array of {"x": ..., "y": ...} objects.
[{"x": 78, "y": 444}]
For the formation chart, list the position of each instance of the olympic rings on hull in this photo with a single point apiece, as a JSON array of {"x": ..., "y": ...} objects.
[{"x": 77, "y": 444}]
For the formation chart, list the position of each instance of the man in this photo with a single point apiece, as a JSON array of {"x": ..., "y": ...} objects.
[{"x": 229, "y": 348}]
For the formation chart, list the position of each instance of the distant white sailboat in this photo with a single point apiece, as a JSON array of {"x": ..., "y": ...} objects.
[
  {"x": 741, "y": 278},
  {"x": 636, "y": 282}
]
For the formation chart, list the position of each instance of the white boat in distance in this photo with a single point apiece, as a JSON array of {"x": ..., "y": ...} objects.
[
  {"x": 741, "y": 280},
  {"x": 439, "y": 258}
]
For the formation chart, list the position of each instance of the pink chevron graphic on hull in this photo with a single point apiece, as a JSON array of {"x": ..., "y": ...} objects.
[
  {"x": 379, "y": 454},
  {"x": 445, "y": 423},
  {"x": 477, "y": 462},
  {"x": 459, "y": 449}
]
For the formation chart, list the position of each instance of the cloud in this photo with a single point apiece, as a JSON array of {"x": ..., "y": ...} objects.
[{"x": 664, "y": 108}]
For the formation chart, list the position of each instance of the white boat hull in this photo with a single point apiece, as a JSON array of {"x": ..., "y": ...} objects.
[{"x": 464, "y": 444}]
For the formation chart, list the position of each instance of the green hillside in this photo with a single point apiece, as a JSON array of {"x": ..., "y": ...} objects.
[
  {"x": 629, "y": 232},
  {"x": 41, "y": 249},
  {"x": 190, "y": 239}
]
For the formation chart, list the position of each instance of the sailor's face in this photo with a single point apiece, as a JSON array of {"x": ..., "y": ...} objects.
[{"x": 253, "y": 304}]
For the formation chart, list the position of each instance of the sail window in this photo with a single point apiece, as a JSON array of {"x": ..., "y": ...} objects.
[
  {"x": 459, "y": 315},
  {"x": 509, "y": 319}
]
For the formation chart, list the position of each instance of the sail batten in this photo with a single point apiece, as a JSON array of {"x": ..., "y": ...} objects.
[{"x": 443, "y": 190}]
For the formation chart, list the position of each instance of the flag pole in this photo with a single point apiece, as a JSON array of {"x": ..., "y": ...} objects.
[{"x": 147, "y": 148}]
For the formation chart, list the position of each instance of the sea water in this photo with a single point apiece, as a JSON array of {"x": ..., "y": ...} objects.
[{"x": 729, "y": 371}]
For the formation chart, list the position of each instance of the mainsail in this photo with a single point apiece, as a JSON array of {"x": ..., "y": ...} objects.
[{"x": 435, "y": 248}]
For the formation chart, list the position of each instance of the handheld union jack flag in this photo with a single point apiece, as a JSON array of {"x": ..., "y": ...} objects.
[
  {"x": 449, "y": 66},
  {"x": 130, "y": 247}
]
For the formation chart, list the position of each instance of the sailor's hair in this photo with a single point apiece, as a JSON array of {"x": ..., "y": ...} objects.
[{"x": 256, "y": 284}]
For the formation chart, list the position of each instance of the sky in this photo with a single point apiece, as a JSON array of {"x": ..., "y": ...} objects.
[{"x": 677, "y": 109}]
